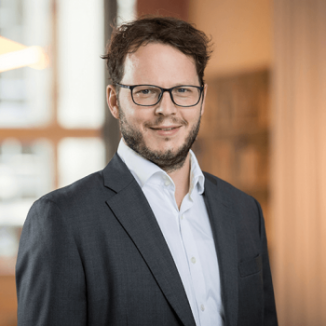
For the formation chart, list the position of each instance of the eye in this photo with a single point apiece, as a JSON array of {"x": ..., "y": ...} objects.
[
  {"x": 182, "y": 90},
  {"x": 146, "y": 91},
  {"x": 143, "y": 91}
]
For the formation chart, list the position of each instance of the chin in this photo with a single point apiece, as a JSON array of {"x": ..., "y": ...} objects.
[{"x": 166, "y": 145}]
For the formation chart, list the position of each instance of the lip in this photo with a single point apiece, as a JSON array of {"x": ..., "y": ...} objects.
[{"x": 166, "y": 130}]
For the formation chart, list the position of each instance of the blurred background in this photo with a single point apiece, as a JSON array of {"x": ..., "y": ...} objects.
[{"x": 263, "y": 129}]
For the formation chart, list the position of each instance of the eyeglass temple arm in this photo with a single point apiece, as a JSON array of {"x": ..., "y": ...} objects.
[{"x": 124, "y": 86}]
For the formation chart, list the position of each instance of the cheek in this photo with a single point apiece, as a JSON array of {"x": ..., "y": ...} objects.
[
  {"x": 136, "y": 118},
  {"x": 139, "y": 116},
  {"x": 191, "y": 116}
]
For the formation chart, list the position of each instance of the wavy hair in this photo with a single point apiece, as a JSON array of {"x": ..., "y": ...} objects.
[{"x": 128, "y": 37}]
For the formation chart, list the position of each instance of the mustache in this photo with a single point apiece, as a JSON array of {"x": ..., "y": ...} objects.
[{"x": 159, "y": 120}]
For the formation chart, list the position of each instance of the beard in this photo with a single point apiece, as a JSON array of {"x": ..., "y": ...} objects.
[{"x": 167, "y": 160}]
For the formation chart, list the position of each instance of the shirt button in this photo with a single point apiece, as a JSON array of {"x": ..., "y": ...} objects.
[
  {"x": 167, "y": 182},
  {"x": 202, "y": 307},
  {"x": 181, "y": 217},
  {"x": 193, "y": 260}
]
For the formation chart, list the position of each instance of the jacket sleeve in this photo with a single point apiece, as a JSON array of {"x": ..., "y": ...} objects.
[
  {"x": 49, "y": 273},
  {"x": 270, "y": 317}
]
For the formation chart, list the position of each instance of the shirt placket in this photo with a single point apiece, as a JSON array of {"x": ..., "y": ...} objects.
[
  {"x": 180, "y": 254},
  {"x": 194, "y": 263}
]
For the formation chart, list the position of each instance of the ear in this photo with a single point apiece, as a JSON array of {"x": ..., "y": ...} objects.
[
  {"x": 112, "y": 100},
  {"x": 204, "y": 98}
]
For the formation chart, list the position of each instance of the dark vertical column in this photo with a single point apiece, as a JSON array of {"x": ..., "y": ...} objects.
[{"x": 111, "y": 133}]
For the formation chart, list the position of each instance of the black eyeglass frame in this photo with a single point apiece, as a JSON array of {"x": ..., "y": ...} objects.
[{"x": 201, "y": 88}]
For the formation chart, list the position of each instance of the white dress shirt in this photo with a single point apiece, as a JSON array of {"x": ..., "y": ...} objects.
[{"x": 187, "y": 233}]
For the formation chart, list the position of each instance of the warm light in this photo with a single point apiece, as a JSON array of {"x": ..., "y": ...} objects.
[
  {"x": 33, "y": 56},
  {"x": 7, "y": 45},
  {"x": 15, "y": 55}
]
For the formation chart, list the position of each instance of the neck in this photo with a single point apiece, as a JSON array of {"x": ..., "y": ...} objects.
[{"x": 181, "y": 179}]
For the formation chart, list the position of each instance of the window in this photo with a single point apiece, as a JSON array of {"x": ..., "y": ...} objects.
[{"x": 50, "y": 119}]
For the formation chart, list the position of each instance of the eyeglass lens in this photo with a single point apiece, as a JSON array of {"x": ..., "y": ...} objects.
[{"x": 149, "y": 95}]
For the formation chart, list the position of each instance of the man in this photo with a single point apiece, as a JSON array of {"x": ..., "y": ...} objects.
[{"x": 150, "y": 240}]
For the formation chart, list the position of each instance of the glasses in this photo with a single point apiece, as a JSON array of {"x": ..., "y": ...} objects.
[{"x": 149, "y": 95}]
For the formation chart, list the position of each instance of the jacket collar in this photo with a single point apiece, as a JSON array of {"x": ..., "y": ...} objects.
[
  {"x": 222, "y": 217},
  {"x": 116, "y": 175},
  {"x": 131, "y": 208}
]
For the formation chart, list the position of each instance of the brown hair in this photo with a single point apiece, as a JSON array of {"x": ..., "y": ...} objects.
[{"x": 167, "y": 30}]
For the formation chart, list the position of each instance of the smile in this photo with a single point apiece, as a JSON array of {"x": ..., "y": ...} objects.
[{"x": 166, "y": 130}]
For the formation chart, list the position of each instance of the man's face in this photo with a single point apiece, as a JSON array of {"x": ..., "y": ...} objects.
[{"x": 162, "y": 133}]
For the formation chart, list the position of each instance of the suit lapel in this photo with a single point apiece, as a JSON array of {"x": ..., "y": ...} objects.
[
  {"x": 222, "y": 220},
  {"x": 134, "y": 213}
]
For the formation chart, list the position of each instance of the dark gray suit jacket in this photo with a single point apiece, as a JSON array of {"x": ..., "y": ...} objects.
[{"x": 93, "y": 254}]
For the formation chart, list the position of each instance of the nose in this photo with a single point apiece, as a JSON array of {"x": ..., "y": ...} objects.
[{"x": 166, "y": 106}]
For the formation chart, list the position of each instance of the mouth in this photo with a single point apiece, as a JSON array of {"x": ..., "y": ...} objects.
[{"x": 166, "y": 130}]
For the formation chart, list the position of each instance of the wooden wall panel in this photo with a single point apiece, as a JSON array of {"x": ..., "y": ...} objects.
[
  {"x": 233, "y": 141},
  {"x": 174, "y": 8},
  {"x": 299, "y": 161},
  {"x": 8, "y": 301},
  {"x": 241, "y": 33}
]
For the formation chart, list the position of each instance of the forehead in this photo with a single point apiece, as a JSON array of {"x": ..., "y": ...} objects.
[{"x": 159, "y": 64}]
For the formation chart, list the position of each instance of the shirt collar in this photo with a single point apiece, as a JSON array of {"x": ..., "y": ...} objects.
[
  {"x": 197, "y": 179},
  {"x": 143, "y": 169}
]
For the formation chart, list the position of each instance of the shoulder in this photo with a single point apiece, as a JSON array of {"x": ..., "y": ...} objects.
[
  {"x": 79, "y": 190},
  {"x": 85, "y": 199},
  {"x": 74, "y": 200},
  {"x": 242, "y": 203},
  {"x": 226, "y": 188}
]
